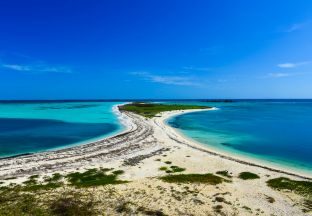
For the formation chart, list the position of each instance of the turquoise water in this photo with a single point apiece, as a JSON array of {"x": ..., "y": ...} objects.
[
  {"x": 278, "y": 132},
  {"x": 28, "y": 127}
]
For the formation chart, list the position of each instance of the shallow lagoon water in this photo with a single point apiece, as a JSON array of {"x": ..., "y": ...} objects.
[
  {"x": 35, "y": 126},
  {"x": 279, "y": 132}
]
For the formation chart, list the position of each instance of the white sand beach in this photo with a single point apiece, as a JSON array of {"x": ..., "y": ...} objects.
[{"x": 144, "y": 147}]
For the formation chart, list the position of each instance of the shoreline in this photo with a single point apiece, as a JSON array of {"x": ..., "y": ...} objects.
[
  {"x": 124, "y": 127},
  {"x": 227, "y": 155},
  {"x": 110, "y": 149},
  {"x": 141, "y": 140},
  {"x": 140, "y": 152}
]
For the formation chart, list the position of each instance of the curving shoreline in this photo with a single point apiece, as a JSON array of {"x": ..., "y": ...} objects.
[
  {"x": 114, "y": 148},
  {"x": 140, "y": 151},
  {"x": 182, "y": 139},
  {"x": 136, "y": 145}
]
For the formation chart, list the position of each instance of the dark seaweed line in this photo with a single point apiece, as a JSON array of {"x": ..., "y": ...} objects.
[{"x": 16, "y": 156}]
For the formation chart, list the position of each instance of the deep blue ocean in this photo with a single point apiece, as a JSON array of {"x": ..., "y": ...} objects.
[
  {"x": 276, "y": 131},
  {"x": 27, "y": 127}
]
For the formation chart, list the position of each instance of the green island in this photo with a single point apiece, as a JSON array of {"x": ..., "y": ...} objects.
[{"x": 150, "y": 110}]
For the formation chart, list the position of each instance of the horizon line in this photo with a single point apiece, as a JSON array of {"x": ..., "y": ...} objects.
[{"x": 151, "y": 99}]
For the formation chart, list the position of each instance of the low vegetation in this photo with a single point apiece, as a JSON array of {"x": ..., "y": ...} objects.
[
  {"x": 150, "y": 110},
  {"x": 193, "y": 178},
  {"x": 176, "y": 169},
  {"x": 270, "y": 199},
  {"x": 129, "y": 209},
  {"x": 163, "y": 168},
  {"x": 247, "y": 208},
  {"x": 218, "y": 209},
  {"x": 13, "y": 202},
  {"x": 307, "y": 205},
  {"x": 73, "y": 204},
  {"x": 37, "y": 197},
  {"x": 248, "y": 176},
  {"x": 91, "y": 177},
  {"x": 43, "y": 196},
  {"x": 94, "y": 177},
  {"x": 172, "y": 169},
  {"x": 54, "y": 178},
  {"x": 300, "y": 187},
  {"x": 32, "y": 184}
]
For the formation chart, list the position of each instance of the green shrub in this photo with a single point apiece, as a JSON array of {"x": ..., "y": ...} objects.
[
  {"x": 177, "y": 169},
  {"x": 49, "y": 183},
  {"x": 163, "y": 168},
  {"x": 173, "y": 169},
  {"x": 93, "y": 177},
  {"x": 300, "y": 187},
  {"x": 248, "y": 176},
  {"x": 193, "y": 178},
  {"x": 118, "y": 172}
]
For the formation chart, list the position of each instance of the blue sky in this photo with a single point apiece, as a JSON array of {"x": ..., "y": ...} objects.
[{"x": 155, "y": 49}]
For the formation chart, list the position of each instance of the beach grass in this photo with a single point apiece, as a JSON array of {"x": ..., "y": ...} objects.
[
  {"x": 54, "y": 178},
  {"x": 38, "y": 186},
  {"x": 300, "y": 187},
  {"x": 91, "y": 177},
  {"x": 248, "y": 176},
  {"x": 94, "y": 177},
  {"x": 208, "y": 178},
  {"x": 163, "y": 168},
  {"x": 176, "y": 169},
  {"x": 72, "y": 203},
  {"x": 32, "y": 183},
  {"x": 150, "y": 110},
  {"x": 172, "y": 169},
  {"x": 16, "y": 202}
]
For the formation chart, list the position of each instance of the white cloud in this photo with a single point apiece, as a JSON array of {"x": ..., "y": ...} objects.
[
  {"x": 297, "y": 26},
  {"x": 286, "y": 65},
  {"x": 279, "y": 75},
  {"x": 16, "y": 67},
  {"x": 43, "y": 68},
  {"x": 168, "y": 80},
  {"x": 294, "y": 27},
  {"x": 292, "y": 65}
]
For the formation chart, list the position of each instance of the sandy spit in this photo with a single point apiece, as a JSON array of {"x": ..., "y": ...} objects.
[{"x": 148, "y": 144}]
